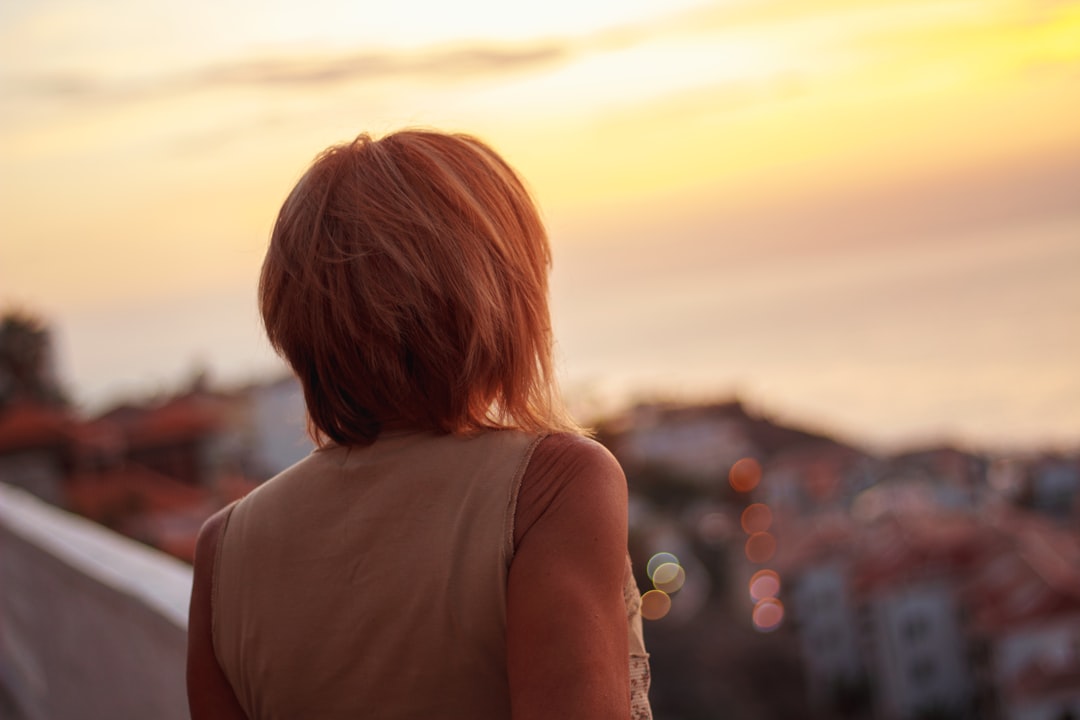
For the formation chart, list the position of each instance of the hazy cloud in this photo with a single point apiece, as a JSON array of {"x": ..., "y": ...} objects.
[{"x": 438, "y": 64}]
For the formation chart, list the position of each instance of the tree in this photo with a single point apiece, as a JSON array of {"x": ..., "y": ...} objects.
[{"x": 26, "y": 363}]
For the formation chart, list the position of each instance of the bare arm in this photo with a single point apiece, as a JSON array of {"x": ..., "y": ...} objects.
[{"x": 567, "y": 644}]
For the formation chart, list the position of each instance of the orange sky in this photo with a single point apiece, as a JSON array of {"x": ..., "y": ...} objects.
[{"x": 863, "y": 214}]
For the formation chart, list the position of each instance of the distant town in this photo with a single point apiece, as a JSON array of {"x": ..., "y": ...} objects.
[{"x": 785, "y": 574}]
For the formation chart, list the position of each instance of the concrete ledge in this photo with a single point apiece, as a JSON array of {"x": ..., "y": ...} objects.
[{"x": 92, "y": 625}]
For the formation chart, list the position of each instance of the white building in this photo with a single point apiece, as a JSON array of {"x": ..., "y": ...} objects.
[
  {"x": 920, "y": 651},
  {"x": 278, "y": 426},
  {"x": 828, "y": 635}
]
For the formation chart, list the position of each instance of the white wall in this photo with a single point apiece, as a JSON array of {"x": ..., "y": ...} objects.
[
  {"x": 92, "y": 625},
  {"x": 827, "y": 632},
  {"x": 1055, "y": 642},
  {"x": 921, "y": 652},
  {"x": 279, "y": 426},
  {"x": 1050, "y": 640}
]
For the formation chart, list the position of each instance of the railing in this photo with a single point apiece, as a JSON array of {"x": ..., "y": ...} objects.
[{"x": 92, "y": 625}]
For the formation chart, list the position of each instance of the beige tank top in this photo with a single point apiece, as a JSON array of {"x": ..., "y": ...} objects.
[{"x": 351, "y": 535}]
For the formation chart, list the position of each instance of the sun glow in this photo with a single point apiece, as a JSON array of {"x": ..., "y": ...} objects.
[{"x": 140, "y": 137}]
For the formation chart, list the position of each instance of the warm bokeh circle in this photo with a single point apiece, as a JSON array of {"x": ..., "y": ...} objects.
[{"x": 745, "y": 475}]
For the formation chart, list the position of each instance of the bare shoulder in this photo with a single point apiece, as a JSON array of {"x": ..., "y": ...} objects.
[
  {"x": 569, "y": 478},
  {"x": 570, "y": 455}
]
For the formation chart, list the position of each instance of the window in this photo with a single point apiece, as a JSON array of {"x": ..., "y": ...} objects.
[
  {"x": 922, "y": 670},
  {"x": 915, "y": 627}
]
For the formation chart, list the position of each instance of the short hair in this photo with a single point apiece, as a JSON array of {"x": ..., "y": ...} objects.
[{"x": 406, "y": 285}]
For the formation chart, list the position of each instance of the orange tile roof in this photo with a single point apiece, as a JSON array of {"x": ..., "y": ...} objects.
[
  {"x": 1039, "y": 578},
  {"x": 130, "y": 489},
  {"x": 26, "y": 425},
  {"x": 1044, "y": 677},
  {"x": 179, "y": 419}
]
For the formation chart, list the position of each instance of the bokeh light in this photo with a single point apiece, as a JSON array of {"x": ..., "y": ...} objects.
[
  {"x": 760, "y": 547},
  {"x": 659, "y": 559},
  {"x": 669, "y": 578},
  {"x": 756, "y": 518},
  {"x": 745, "y": 475},
  {"x": 655, "y": 604},
  {"x": 768, "y": 614},
  {"x": 764, "y": 584}
]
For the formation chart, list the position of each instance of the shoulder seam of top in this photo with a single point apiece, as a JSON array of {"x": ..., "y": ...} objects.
[
  {"x": 218, "y": 550},
  {"x": 515, "y": 492}
]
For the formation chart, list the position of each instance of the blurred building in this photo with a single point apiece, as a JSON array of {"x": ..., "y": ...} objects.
[
  {"x": 276, "y": 426},
  {"x": 699, "y": 442},
  {"x": 155, "y": 470},
  {"x": 961, "y": 615},
  {"x": 36, "y": 448},
  {"x": 929, "y": 584}
]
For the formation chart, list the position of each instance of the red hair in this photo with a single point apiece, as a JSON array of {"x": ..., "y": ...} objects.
[{"x": 406, "y": 285}]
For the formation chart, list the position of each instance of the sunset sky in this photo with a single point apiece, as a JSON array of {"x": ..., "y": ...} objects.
[{"x": 859, "y": 215}]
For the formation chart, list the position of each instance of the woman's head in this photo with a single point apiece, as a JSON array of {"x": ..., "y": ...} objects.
[{"x": 406, "y": 284}]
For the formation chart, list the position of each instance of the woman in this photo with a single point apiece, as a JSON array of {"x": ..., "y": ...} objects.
[{"x": 454, "y": 548}]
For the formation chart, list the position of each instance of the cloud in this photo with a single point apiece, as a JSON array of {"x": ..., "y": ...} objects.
[
  {"x": 438, "y": 64},
  {"x": 429, "y": 65}
]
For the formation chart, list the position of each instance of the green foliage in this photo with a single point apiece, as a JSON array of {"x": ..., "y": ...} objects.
[{"x": 26, "y": 360}]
